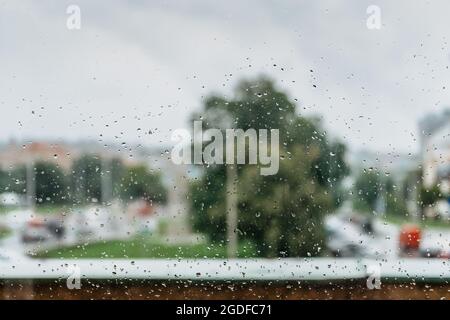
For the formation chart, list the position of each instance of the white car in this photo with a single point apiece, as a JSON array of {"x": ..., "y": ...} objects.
[{"x": 347, "y": 239}]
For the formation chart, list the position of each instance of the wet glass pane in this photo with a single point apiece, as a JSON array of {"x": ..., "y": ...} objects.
[{"x": 235, "y": 150}]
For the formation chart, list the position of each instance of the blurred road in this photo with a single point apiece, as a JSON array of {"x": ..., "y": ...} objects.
[{"x": 348, "y": 236}]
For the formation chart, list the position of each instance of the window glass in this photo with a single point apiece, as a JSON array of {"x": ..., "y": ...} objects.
[{"x": 224, "y": 149}]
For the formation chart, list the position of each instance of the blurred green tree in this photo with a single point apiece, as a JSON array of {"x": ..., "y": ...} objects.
[
  {"x": 14, "y": 180},
  {"x": 86, "y": 179},
  {"x": 5, "y": 181},
  {"x": 367, "y": 190},
  {"x": 281, "y": 213},
  {"x": 87, "y": 174},
  {"x": 395, "y": 198},
  {"x": 371, "y": 187},
  {"x": 429, "y": 196},
  {"x": 140, "y": 183},
  {"x": 50, "y": 181},
  {"x": 51, "y": 184}
]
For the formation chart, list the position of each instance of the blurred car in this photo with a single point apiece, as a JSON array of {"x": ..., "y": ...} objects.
[
  {"x": 435, "y": 244},
  {"x": 345, "y": 238},
  {"x": 40, "y": 230}
]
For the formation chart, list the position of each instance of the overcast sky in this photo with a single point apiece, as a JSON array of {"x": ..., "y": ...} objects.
[{"x": 140, "y": 66}]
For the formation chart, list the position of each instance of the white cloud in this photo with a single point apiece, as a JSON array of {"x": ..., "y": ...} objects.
[{"x": 135, "y": 67}]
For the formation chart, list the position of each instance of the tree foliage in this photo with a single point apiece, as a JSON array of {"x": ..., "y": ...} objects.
[
  {"x": 372, "y": 187},
  {"x": 83, "y": 183},
  {"x": 51, "y": 183},
  {"x": 139, "y": 183},
  {"x": 86, "y": 178},
  {"x": 281, "y": 213}
]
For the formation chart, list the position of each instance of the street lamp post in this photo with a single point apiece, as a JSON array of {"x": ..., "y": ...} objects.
[
  {"x": 31, "y": 184},
  {"x": 232, "y": 218},
  {"x": 226, "y": 122},
  {"x": 106, "y": 180}
]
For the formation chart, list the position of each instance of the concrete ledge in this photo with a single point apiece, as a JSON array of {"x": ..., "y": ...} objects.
[{"x": 310, "y": 269}]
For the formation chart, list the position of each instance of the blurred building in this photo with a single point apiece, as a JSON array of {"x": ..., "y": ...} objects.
[
  {"x": 64, "y": 154},
  {"x": 436, "y": 162},
  {"x": 430, "y": 125},
  {"x": 14, "y": 154},
  {"x": 436, "y": 157}
]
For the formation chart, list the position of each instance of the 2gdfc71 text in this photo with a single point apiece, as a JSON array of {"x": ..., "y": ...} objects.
[{"x": 231, "y": 309}]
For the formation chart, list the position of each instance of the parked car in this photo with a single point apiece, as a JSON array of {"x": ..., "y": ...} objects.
[
  {"x": 346, "y": 238},
  {"x": 40, "y": 230}
]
